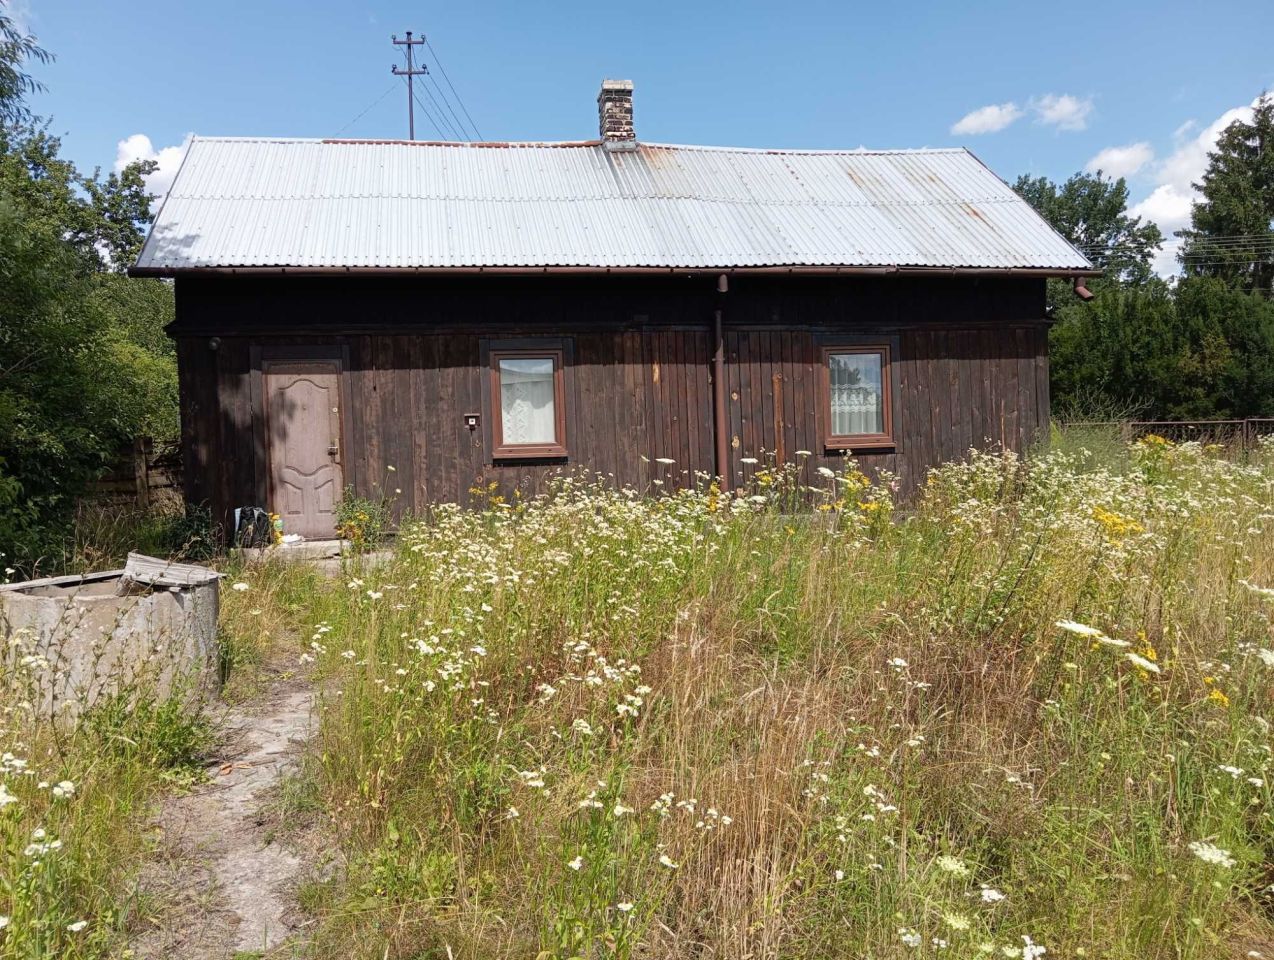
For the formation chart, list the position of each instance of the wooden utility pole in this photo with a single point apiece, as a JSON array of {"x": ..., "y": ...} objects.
[{"x": 409, "y": 73}]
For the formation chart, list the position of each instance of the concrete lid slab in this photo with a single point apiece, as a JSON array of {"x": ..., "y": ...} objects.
[{"x": 166, "y": 573}]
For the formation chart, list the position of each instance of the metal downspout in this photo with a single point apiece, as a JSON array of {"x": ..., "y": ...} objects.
[{"x": 718, "y": 387}]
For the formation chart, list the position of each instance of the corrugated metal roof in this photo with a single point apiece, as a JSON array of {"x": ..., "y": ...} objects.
[{"x": 314, "y": 204}]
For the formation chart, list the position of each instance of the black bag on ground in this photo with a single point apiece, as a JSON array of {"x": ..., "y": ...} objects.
[{"x": 253, "y": 527}]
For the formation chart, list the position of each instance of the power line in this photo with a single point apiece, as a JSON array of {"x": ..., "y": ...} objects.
[
  {"x": 456, "y": 133},
  {"x": 464, "y": 135},
  {"x": 1221, "y": 253},
  {"x": 1226, "y": 247},
  {"x": 1226, "y": 263},
  {"x": 1227, "y": 238},
  {"x": 437, "y": 127},
  {"x": 1258, "y": 253},
  {"x": 1196, "y": 248},
  {"x": 1236, "y": 241},
  {"x": 1231, "y": 236},
  {"x": 1241, "y": 256},
  {"x": 387, "y": 92},
  {"x": 443, "y": 71},
  {"x": 1219, "y": 239},
  {"x": 1190, "y": 251}
]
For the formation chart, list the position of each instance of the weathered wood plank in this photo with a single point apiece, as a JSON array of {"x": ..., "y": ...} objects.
[{"x": 972, "y": 368}]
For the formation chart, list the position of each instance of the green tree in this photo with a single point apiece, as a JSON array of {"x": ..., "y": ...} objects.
[
  {"x": 1226, "y": 362},
  {"x": 16, "y": 50},
  {"x": 1199, "y": 350},
  {"x": 1109, "y": 356},
  {"x": 1105, "y": 355},
  {"x": 1232, "y": 232},
  {"x": 1091, "y": 212},
  {"x": 84, "y": 366}
]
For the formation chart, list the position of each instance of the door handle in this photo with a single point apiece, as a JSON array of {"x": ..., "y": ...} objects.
[{"x": 334, "y": 451}]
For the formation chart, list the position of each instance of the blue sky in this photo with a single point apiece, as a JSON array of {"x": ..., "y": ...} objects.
[{"x": 1029, "y": 88}]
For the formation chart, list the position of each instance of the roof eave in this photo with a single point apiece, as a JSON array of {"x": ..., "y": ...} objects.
[{"x": 796, "y": 270}]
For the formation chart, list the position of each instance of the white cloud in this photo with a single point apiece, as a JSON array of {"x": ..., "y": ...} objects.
[
  {"x": 1123, "y": 161},
  {"x": 1062, "y": 111},
  {"x": 1171, "y": 200},
  {"x": 1166, "y": 206},
  {"x": 19, "y": 12},
  {"x": 139, "y": 147},
  {"x": 988, "y": 119}
]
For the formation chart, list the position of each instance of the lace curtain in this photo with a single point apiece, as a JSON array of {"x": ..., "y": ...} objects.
[
  {"x": 527, "y": 413},
  {"x": 857, "y": 406}
]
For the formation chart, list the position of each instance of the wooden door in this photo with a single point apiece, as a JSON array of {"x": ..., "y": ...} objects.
[{"x": 303, "y": 436}]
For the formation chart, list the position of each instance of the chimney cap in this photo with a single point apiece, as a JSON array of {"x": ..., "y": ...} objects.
[{"x": 617, "y": 86}]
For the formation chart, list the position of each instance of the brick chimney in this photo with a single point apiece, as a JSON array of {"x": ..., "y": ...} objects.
[{"x": 615, "y": 115}]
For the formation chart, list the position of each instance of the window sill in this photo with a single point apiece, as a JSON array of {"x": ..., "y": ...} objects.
[
  {"x": 876, "y": 444},
  {"x": 548, "y": 452}
]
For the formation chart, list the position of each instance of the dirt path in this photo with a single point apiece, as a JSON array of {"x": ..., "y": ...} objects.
[{"x": 224, "y": 883}]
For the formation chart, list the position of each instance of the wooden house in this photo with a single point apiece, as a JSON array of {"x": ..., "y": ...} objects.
[{"x": 425, "y": 317}]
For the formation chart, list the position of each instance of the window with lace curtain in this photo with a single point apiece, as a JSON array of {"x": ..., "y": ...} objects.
[
  {"x": 856, "y": 396},
  {"x": 528, "y": 404}
]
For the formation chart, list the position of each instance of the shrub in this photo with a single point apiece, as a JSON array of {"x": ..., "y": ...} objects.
[{"x": 362, "y": 520}]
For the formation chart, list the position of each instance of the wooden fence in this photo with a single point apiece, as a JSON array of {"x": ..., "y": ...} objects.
[{"x": 144, "y": 473}]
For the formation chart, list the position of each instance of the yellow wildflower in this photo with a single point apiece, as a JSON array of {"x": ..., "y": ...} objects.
[{"x": 1116, "y": 525}]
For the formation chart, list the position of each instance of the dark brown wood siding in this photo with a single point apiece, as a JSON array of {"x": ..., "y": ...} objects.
[
  {"x": 971, "y": 357},
  {"x": 958, "y": 389}
]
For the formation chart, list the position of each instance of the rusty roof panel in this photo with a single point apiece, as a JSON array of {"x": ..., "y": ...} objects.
[{"x": 316, "y": 204}]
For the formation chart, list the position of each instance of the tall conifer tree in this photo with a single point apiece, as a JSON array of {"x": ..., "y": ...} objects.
[{"x": 1233, "y": 224}]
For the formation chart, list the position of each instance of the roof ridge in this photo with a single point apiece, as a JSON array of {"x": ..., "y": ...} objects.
[
  {"x": 490, "y": 144},
  {"x": 673, "y": 198}
]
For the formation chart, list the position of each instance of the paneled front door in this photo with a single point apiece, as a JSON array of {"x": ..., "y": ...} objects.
[{"x": 303, "y": 438}]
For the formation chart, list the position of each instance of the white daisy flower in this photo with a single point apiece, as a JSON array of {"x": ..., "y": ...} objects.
[
  {"x": 1081, "y": 629},
  {"x": 952, "y": 865},
  {"x": 1210, "y": 853},
  {"x": 1139, "y": 661}
]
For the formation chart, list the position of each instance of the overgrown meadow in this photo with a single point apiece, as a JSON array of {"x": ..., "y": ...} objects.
[
  {"x": 1029, "y": 714},
  {"x": 1024, "y": 716}
]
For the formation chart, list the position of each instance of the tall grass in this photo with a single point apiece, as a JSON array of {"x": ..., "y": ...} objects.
[
  {"x": 74, "y": 801},
  {"x": 1033, "y": 714},
  {"x": 1030, "y": 714},
  {"x": 103, "y": 532},
  {"x": 79, "y": 787}
]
